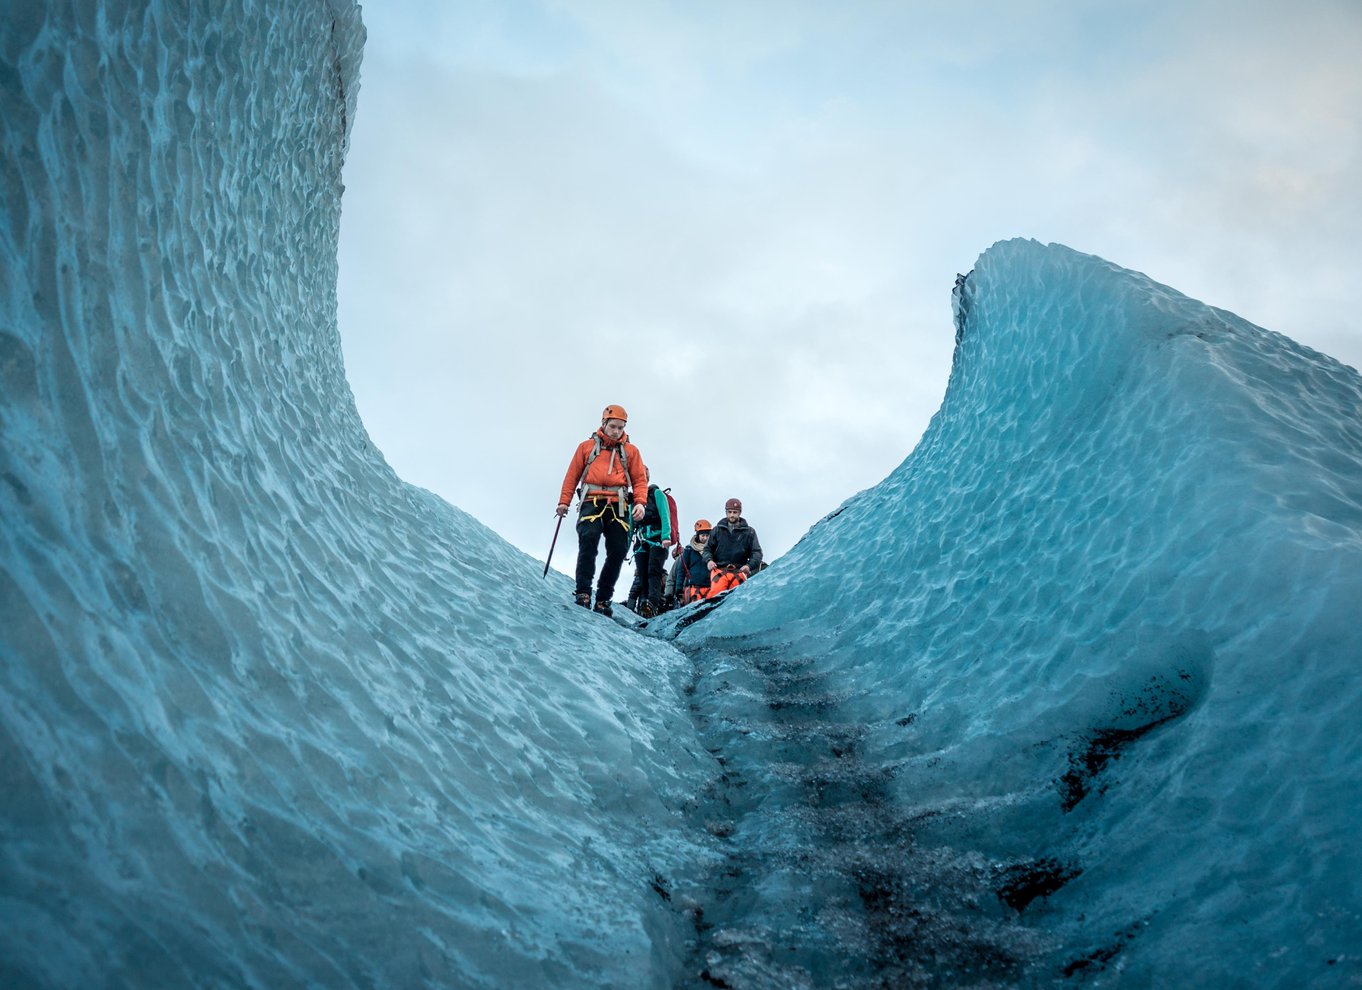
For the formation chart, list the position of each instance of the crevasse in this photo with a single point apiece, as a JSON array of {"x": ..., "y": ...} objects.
[{"x": 1095, "y": 640}]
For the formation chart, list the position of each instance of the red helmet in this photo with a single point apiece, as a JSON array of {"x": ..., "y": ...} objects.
[
  {"x": 614, "y": 412},
  {"x": 733, "y": 503}
]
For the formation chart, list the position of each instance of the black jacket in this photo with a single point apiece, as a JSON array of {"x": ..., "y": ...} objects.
[{"x": 733, "y": 543}]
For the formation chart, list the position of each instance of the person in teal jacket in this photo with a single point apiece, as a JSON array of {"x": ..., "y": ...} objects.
[{"x": 652, "y": 536}]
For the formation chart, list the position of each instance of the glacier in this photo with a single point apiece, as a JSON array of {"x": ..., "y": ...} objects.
[
  {"x": 1092, "y": 647},
  {"x": 271, "y": 717},
  {"x": 1068, "y": 699}
]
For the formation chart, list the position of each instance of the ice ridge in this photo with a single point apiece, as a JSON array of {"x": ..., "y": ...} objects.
[
  {"x": 1098, "y": 630},
  {"x": 270, "y": 717}
]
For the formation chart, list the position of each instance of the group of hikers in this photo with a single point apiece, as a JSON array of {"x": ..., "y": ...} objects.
[{"x": 620, "y": 504}]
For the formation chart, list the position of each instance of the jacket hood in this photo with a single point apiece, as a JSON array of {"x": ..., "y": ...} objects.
[{"x": 607, "y": 442}]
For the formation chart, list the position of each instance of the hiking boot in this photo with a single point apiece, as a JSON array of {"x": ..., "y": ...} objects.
[
  {"x": 583, "y": 600},
  {"x": 631, "y": 604},
  {"x": 646, "y": 610},
  {"x": 604, "y": 608}
]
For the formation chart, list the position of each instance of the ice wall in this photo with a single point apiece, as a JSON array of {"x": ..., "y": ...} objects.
[
  {"x": 268, "y": 716},
  {"x": 271, "y": 718},
  {"x": 1102, "y": 621}
]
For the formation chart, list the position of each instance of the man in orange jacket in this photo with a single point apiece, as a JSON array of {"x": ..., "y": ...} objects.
[{"x": 608, "y": 471}]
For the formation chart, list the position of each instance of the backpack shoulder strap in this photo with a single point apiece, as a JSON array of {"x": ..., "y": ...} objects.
[{"x": 595, "y": 453}]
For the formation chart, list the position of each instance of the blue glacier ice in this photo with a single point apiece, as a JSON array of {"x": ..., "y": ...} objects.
[
  {"x": 1067, "y": 700},
  {"x": 1093, "y": 646},
  {"x": 270, "y": 717}
]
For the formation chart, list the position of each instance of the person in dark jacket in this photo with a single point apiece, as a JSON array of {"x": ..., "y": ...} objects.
[
  {"x": 689, "y": 578},
  {"x": 733, "y": 551},
  {"x": 652, "y": 537}
]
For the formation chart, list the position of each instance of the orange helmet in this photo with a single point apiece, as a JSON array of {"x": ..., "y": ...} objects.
[
  {"x": 702, "y": 526},
  {"x": 614, "y": 412}
]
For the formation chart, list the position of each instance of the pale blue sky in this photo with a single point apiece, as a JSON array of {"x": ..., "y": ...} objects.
[{"x": 742, "y": 220}]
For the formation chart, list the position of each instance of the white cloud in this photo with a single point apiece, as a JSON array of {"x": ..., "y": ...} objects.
[{"x": 745, "y": 226}]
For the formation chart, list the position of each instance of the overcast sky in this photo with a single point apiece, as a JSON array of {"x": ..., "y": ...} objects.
[{"x": 742, "y": 220}]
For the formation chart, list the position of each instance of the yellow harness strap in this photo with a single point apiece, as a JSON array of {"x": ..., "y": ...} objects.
[{"x": 604, "y": 505}]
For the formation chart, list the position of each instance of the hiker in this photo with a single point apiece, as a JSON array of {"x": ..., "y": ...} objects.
[
  {"x": 607, "y": 472},
  {"x": 639, "y": 586},
  {"x": 652, "y": 537},
  {"x": 689, "y": 579},
  {"x": 671, "y": 597},
  {"x": 733, "y": 551}
]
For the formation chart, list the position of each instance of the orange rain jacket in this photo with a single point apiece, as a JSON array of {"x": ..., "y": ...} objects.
[{"x": 606, "y": 474}]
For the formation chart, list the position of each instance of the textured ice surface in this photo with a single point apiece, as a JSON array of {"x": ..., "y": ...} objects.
[
  {"x": 1097, "y": 636},
  {"x": 268, "y": 716},
  {"x": 1070, "y": 698}
]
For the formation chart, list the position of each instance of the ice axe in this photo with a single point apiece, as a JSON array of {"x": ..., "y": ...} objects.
[{"x": 553, "y": 544}]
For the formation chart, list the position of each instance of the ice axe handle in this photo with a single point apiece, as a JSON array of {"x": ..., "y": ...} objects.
[{"x": 552, "y": 545}]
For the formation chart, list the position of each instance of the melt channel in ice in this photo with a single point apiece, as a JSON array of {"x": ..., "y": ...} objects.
[{"x": 1093, "y": 646}]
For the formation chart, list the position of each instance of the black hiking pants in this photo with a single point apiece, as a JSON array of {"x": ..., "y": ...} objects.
[
  {"x": 639, "y": 588},
  {"x": 599, "y": 517},
  {"x": 650, "y": 574}
]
